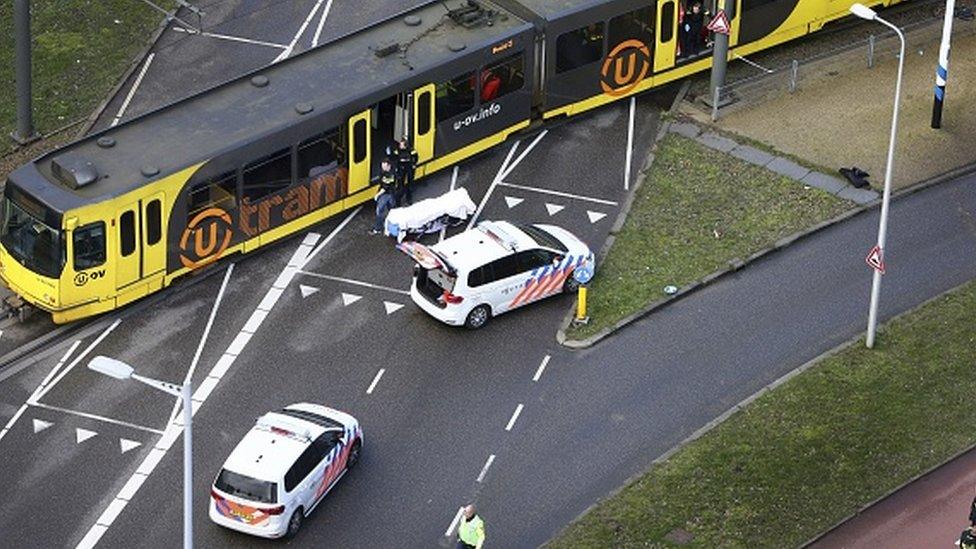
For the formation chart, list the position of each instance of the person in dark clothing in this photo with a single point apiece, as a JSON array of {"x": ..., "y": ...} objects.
[
  {"x": 691, "y": 30},
  {"x": 967, "y": 539},
  {"x": 386, "y": 197},
  {"x": 406, "y": 163},
  {"x": 972, "y": 513}
]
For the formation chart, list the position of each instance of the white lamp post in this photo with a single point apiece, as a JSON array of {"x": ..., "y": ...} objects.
[
  {"x": 865, "y": 12},
  {"x": 121, "y": 370}
]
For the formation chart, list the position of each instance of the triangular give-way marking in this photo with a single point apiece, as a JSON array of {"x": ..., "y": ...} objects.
[
  {"x": 392, "y": 307},
  {"x": 595, "y": 216},
  {"x": 553, "y": 209},
  {"x": 81, "y": 435},
  {"x": 127, "y": 444},
  {"x": 40, "y": 425},
  {"x": 349, "y": 299},
  {"x": 307, "y": 290},
  {"x": 513, "y": 201}
]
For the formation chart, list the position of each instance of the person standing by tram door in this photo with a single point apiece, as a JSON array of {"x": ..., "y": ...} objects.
[
  {"x": 471, "y": 531},
  {"x": 406, "y": 164},
  {"x": 386, "y": 197},
  {"x": 691, "y": 30}
]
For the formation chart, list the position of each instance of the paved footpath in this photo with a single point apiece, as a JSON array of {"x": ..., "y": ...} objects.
[{"x": 930, "y": 512}]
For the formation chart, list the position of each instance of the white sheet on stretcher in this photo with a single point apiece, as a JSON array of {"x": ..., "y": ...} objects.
[{"x": 454, "y": 203}]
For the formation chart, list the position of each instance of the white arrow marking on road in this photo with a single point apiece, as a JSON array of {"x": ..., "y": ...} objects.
[
  {"x": 81, "y": 435},
  {"x": 392, "y": 307},
  {"x": 127, "y": 444},
  {"x": 40, "y": 425},
  {"x": 595, "y": 216},
  {"x": 307, "y": 290},
  {"x": 349, "y": 299},
  {"x": 553, "y": 209},
  {"x": 513, "y": 201}
]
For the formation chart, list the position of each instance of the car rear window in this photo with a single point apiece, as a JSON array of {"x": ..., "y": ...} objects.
[
  {"x": 309, "y": 416},
  {"x": 246, "y": 487},
  {"x": 542, "y": 237}
]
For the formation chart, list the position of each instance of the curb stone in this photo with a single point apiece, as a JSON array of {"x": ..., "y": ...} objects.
[{"x": 760, "y": 254}]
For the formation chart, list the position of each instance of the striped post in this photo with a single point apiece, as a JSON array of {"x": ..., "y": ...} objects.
[{"x": 942, "y": 71}]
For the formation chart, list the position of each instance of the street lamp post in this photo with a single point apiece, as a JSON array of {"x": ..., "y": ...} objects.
[
  {"x": 865, "y": 12},
  {"x": 121, "y": 370}
]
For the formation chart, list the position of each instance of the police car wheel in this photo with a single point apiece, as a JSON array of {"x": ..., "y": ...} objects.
[
  {"x": 354, "y": 452},
  {"x": 478, "y": 317},
  {"x": 295, "y": 523},
  {"x": 571, "y": 285}
]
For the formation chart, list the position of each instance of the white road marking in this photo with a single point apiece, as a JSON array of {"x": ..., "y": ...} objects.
[
  {"x": 511, "y": 422},
  {"x": 20, "y": 411},
  {"x": 203, "y": 338},
  {"x": 126, "y": 444},
  {"x": 454, "y": 175},
  {"x": 484, "y": 470},
  {"x": 355, "y": 282},
  {"x": 349, "y": 299},
  {"x": 96, "y": 417},
  {"x": 81, "y": 435},
  {"x": 513, "y": 201},
  {"x": 494, "y": 182},
  {"x": 454, "y": 523},
  {"x": 307, "y": 290},
  {"x": 301, "y": 30},
  {"x": 40, "y": 425},
  {"x": 542, "y": 368},
  {"x": 392, "y": 307},
  {"x": 318, "y": 30},
  {"x": 553, "y": 209},
  {"x": 78, "y": 359},
  {"x": 232, "y": 38},
  {"x": 132, "y": 92},
  {"x": 376, "y": 380},
  {"x": 559, "y": 193},
  {"x": 525, "y": 153},
  {"x": 595, "y": 216},
  {"x": 630, "y": 145},
  {"x": 329, "y": 238}
]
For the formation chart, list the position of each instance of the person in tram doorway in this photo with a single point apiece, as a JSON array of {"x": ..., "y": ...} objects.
[
  {"x": 691, "y": 30},
  {"x": 406, "y": 163},
  {"x": 967, "y": 539},
  {"x": 471, "y": 531},
  {"x": 386, "y": 197}
]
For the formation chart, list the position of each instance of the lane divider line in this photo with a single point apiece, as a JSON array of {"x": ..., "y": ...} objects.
[
  {"x": 484, "y": 470},
  {"x": 542, "y": 368},
  {"x": 454, "y": 523},
  {"x": 454, "y": 175},
  {"x": 96, "y": 417},
  {"x": 494, "y": 182},
  {"x": 318, "y": 30},
  {"x": 355, "y": 282},
  {"x": 78, "y": 359},
  {"x": 20, "y": 411},
  {"x": 511, "y": 422},
  {"x": 329, "y": 238},
  {"x": 232, "y": 38},
  {"x": 132, "y": 92},
  {"x": 560, "y": 193},
  {"x": 376, "y": 380},
  {"x": 301, "y": 31},
  {"x": 522, "y": 156}
]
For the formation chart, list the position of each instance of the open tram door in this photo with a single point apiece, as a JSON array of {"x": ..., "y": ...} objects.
[
  {"x": 666, "y": 48},
  {"x": 423, "y": 126}
]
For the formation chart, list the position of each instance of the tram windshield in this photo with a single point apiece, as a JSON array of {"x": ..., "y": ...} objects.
[{"x": 30, "y": 241}]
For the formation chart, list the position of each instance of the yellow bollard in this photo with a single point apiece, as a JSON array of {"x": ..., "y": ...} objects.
[{"x": 581, "y": 317}]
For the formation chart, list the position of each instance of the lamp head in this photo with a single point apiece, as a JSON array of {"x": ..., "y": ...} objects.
[
  {"x": 110, "y": 367},
  {"x": 863, "y": 12}
]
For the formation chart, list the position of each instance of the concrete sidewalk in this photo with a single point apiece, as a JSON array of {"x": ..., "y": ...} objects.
[{"x": 929, "y": 512}]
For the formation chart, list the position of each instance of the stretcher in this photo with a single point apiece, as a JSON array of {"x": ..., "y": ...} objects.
[{"x": 431, "y": 215}]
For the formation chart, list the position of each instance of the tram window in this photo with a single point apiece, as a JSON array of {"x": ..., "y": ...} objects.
[
  {"x": 455, "y": 96},
  {"x": 423, "y": 113},
  {"x": 154, "y": 222},
  {"x": 359, "y": 141},
  {"x": 127, "y": 233},
  {"x": 667, "y": 22},
  {"x": 579, "y": 47},
  {"x": 636, "y": 25},
  {"x": 268, "y": 175},
  {"x": 89, "y": 246},
  {"x": 318, "y": 155},
  {"x": 219, "y": 192},
  {"x": 502, "y": 78}
]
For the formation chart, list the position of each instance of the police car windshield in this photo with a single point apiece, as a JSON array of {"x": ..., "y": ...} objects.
[
  {"x": 542, "y": 237},
  {"x": 246, "y": 487}
]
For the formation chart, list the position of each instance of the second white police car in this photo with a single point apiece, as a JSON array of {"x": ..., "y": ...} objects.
[
  {"x": 494, "y": 268},
  {"x": 282, "y": 469}
]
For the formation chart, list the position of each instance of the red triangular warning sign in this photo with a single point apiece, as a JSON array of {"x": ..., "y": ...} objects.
[
  {"x": 876, "y": 260},
  {"x": 720, "y": 23}
]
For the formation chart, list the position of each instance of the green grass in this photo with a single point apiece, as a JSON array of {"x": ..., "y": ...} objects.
[
  {"x": 690, "y": 194},
  {"x": 80, "y": 50},
  {"x": 807, "y": 454}
]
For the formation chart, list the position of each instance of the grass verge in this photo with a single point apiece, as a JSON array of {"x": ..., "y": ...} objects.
[
  {"x": 812, "y": 451},
  {"x": 696, "y": 210},
  {"x": 80, "y": 49}
]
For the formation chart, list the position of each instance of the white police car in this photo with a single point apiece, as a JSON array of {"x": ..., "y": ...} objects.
[
  {"x": 494, "y": 268},
  {"x": 282, "y": 469}
]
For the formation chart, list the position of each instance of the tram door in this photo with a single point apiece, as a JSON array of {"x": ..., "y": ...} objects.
[
  {"x": 666, "y": 48},
  {"x": 423, "y": 127},
  {"x": 153, "y": 244},
  {"x": 359, "y": 151},
  {"x": 128, "y": 232}
]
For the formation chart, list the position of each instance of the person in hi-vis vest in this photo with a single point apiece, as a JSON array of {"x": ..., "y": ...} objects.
[{"x": 471, "y": 531}]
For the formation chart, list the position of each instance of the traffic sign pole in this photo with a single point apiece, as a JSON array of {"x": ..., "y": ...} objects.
[{"x": 720, "y": 51}]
